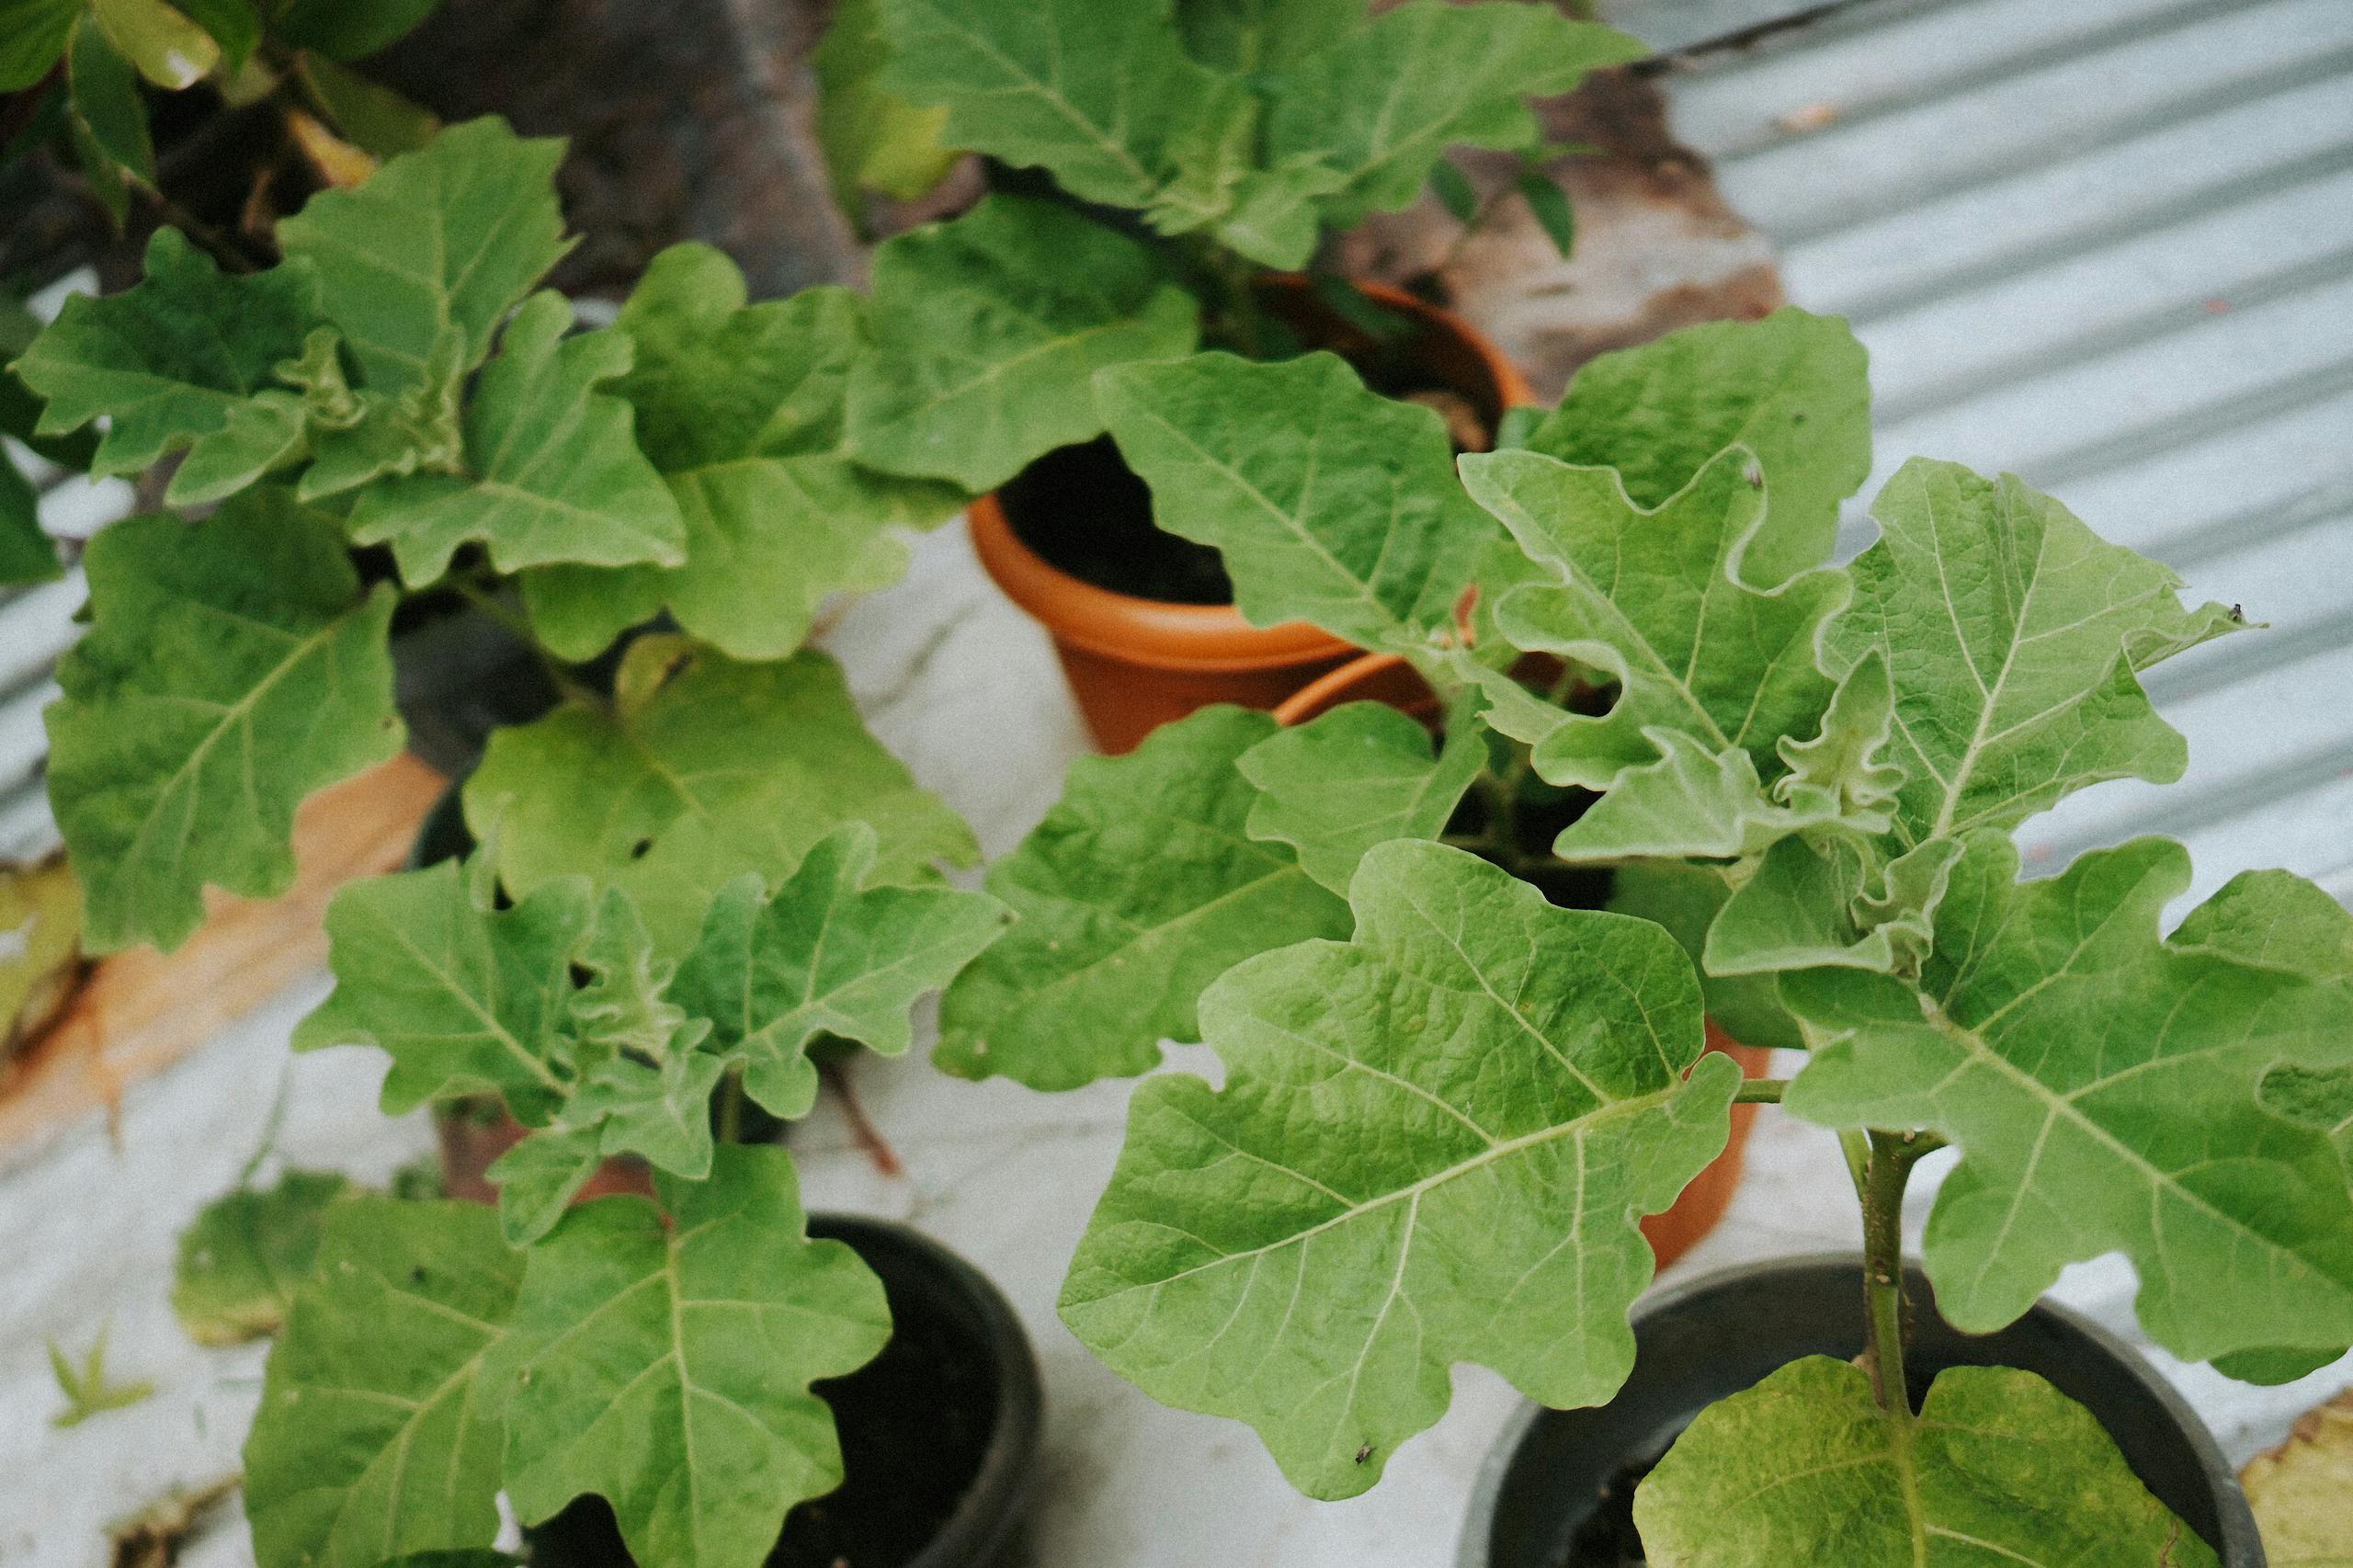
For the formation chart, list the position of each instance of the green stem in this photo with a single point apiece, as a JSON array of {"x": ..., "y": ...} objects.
[
  {"x": 1887, "y": 1166},
  {"x": 1760, "y": 1091},
  {"x": 730, "y": 1107}
]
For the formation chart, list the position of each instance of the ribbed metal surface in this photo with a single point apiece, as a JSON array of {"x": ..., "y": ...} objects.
[{"x": 2107, "y": 245}]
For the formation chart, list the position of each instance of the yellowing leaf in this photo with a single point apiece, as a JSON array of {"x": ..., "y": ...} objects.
[{"x": 2303, "y": 1491}]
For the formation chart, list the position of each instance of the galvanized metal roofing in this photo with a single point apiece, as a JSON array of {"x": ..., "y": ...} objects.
[{"x": 2107, "y": 246}]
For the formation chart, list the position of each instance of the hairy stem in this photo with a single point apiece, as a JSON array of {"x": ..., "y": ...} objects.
[
  {"x": 1887, "y": 1165},
  {"x": 730, "y": 1128}
]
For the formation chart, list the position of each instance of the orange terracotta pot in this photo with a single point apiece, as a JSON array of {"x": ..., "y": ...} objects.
[
  {"x": 1134, "y": 664},
  {"x": 1385, "y": 677}
]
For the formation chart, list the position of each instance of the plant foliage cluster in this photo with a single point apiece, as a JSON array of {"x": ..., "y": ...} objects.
[{"x": 1447, "y": 1102}]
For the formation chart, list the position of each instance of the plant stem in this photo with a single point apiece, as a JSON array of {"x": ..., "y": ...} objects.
[
  {"x": 1887, "y": 1166},
  {"x": 1760, "y": 1091},
  {"x": 730, "y": 1107}
]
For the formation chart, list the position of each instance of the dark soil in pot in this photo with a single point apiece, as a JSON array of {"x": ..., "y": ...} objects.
[
  {"x": 939, "y": 1433},
  {"x": 1085, "y": 512},
  {"x": 1558, "y": 1491}
]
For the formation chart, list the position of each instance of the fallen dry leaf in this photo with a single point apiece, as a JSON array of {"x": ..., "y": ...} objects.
[{"x": 2303, "y": 1491}]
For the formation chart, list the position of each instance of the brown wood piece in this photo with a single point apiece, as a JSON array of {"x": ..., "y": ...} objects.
[{"x": 141, "y": 1010}]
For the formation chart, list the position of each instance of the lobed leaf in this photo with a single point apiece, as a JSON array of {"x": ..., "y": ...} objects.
[
  {"x": 1433, "y": 1145},
  {"x": 1791, "y": 388},
  {"x": 185, "y": 359},
  {"x": 1382, "y": 105},
  {"x": 987, "y": 331},
  {"x": 232, "y": 668},
  {"x": 2102, "y": 1085},
  {"x": 2015, "y": 636},
  {"x": 464, "y": 998},
  {"x": 1998, "y": 1467},
  {"x": 379, "y": 1434},
  {"x": 1248, "y": 36},
  {"x": 1359, "y": 775},
  {"x": 1330, "y": 502},
  {"x": 554, "y": 472},
  {"x": 740, "y": 408},
  {"x": 1104, "y": 97},
  {"x": 1141, "y": 885},
  {"x": 26, "y": 554},
  {"x": 702, "y": 769},
  {"x": 695, "y": 1331},
  {"x": 1662, "y": 601},
  {"x": 419, "y": 265},
  {"x": 828, "y": 955}
]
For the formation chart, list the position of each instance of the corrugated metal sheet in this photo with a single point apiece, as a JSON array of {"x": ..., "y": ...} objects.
[{"x": 2107, "y": 246}]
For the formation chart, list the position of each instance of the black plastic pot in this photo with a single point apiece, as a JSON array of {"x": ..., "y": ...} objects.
[
  {"x": 456, "y": 676},
  {"x": 939, "y": 1433},
  {"x": 1546, "y": 1481}
]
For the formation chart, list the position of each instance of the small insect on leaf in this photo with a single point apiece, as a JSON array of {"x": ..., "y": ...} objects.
[
  {"x": 1550, "y": 205},
  {"x": 1364, "y": 1453}
]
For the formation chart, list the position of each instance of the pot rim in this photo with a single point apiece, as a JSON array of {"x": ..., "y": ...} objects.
[
  {"x": 1331, "y": 689},
  {"x": 985, "y": 1517},
  {"x": 1200, "y": 637},
  {"x": 2240, "y": 1543}
]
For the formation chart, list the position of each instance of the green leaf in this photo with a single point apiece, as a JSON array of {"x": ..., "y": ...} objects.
[
  {"x": 169, "y": 50},
  {"x": 987, "y": 331},
  {"x": 1141, "y": 884},
  {"x": 88, "y": 1389},
  {"x": 1454, "y": 192},
  {"x": 26, "y": 554},
  {"x": 1548, "y": 204},
  {"x": 828, "y": 955},
  {"x": 1330, "y": 502},
  {"x": 1813, "y": 902},
  {"x": 641, "y": 1078},
  {"x": 1360, "y": 775},
  {"x": 1433, "y": 1145},
  {"x": 872, "y": 139},
  {"x": 703, "y": 770},
  {"x": 1685, "y": 898},
  {"x": 234, "y": 25},
  {"x": 555, "y": 475},
  {"x": 241, "y": 1258},
  {"x": 1248, "y": 36},
  {"x": 2000, "y": 1467},
  {"x": 436, "y": 248},
  {"x": 108, "y": 108},
  {"x": 2101, "y": 1085},
  {"x": 1102, "y": 97},
  {"x": 32, "y": 39},
  {"x": 1663, "y": 601},
  {"x": 348, "y": 30},
  {"x": 233, "y": 666},
  {"x": 741, "y": 410},
  {"x": 379, "y": 1432},
  {"x": 540, "y": 1175},
  {"x": 187, "y": 359},
  {"x": 465, "y": 999},
  {"x": 372, "y": 117},
  {"x": 2016, "y": 635},
  {"x": 1791, "y": 388},
  {"x": 1384, "y": 104},
  {"x": 691, "y": 1330}
]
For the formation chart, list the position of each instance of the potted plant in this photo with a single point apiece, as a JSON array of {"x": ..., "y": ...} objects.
[
  {"x": 1170, "y": 158},
  {"x": 697, "y": 862},
  {"x": 1448, "y": 1101}
]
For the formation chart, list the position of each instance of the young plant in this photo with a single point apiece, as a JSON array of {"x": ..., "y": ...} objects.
[
  {"x": 1191, "y": 147},
  {"x": 657, "y": 1353},
  {"x": 390, "y": 417},
  {"x": 1448, "y": 1101}
]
